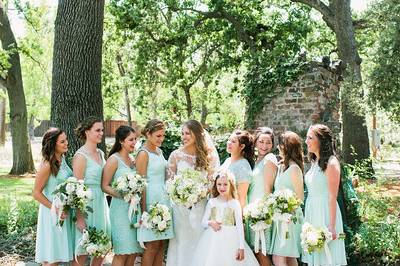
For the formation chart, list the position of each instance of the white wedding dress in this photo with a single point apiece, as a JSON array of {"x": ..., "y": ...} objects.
[{"x": 187, "y": 222}]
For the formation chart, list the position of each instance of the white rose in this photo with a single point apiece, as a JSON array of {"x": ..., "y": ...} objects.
[
  {"x": 80, "y": 192},
  {"x": 91, "y": 248},
  {"x": 70, "y": 187},
  {"x": 312, "y": 237},
  {"x": 162, "y": 225}
]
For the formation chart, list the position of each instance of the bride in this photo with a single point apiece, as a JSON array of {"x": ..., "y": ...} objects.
[{"x": 196, "y": 153}]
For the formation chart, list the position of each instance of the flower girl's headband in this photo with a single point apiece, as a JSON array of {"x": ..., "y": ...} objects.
[{"x": 225, "y": 173}]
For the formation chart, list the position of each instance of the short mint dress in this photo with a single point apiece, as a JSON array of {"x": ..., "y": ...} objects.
[
  {"x": 123, "y": 233},
  {"x": 257, "y": 191},
  {"x": 53, "y": 244},
  {"x": 99, "y": 218},
  {"x": 291, "y": 246},
  {"x": 155, "y": 192},
  {"x": 317, "y": 214}
]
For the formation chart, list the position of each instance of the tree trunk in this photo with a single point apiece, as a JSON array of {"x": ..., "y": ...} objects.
[
  {"x": 22, "y": 155},
  {"x": 126, "y": 93},
  {"x": 3, "y": 103},
  {"x": 355, "y": 132},
  {"x": 76, "y": 85},
  {"x": 186, "y": 89}
]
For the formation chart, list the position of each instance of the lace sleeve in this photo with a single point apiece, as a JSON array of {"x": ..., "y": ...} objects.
[
  {"x": 172, "y": 165},
  {"x": 239, "y": 223},
  {"x": 207, "y": 213}
]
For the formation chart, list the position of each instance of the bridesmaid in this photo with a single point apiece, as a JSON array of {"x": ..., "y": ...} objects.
[
  {"x": 151, "y": 163},
  {"x": 53, "y": 245},
  {"x": 263, "y": 181},
  {"x": 87, "y": 164},
  {"x": 290, "y": 176},
  {"x": 322, "y": 181},
  {"x": 123, "y": 235},
  {"x": 241, "y": 162}
]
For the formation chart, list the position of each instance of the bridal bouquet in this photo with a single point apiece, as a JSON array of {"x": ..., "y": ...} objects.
[
  {"x": 187, "y": 188},
  {"x": 130, "y": 187},
  {"x": 259, "y": 214},
  {"x": 314, "y": 239},
  {"x": 69, "y": 195},
  {"x": 285, "y": 206},
  {"x": 158, "y": 218},
  {"x": 95, "y": 242}
]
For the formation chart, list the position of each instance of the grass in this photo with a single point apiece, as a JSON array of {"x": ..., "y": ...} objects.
[{"x": 19, "y": 188}]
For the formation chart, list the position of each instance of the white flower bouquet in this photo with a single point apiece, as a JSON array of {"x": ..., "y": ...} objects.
[
  {"x": 285, "y": 206},
  {"x": 314, "y": 239},
  {"x": 95, "y": 242},
  {"x": 187, "y": 188},
  {"x": 72, "y": 194},
  {"x": 258, "y": 215},
  {"x": 130, "y": 187},
  {"x": 158, "y": 218}
]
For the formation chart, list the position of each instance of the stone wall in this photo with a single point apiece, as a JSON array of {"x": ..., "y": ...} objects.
[{"x": 312, "y": 98}]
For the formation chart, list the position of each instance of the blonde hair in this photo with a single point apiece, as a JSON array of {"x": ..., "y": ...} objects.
[{"x": 232, "y": 186}]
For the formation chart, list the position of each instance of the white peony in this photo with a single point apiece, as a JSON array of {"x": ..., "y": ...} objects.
[
  {"x": 162, "y": 225},
  {"x": 70, "y": 188},
  {"x": 312, "y": 237},
  {"x": 91, "y": 248}
]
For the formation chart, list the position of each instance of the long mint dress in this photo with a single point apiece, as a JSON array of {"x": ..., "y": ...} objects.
[
  {"x": 123, "y": 234},
  {"x": 280, "y": 246},
  {"x": 155, "y": 192},
  {"x": 99, "y": 218},
  {"x": 317, "y": 214},
  {"x": 257, "y": 191},
  {"x": 53, "y": 244}
]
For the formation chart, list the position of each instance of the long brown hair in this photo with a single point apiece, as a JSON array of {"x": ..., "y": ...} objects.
[
  {"x": 202, "y": 156},
  {"x": 49, "y": 143},
  {"x": 326, "y": 145},
  {"x": 246, "y": 139},
  {"x": 291, "y": 148},
  {"x": 232, "y": 187},
  {"x": 86, "y": 124},
  {"x": 121, "y": 134}
]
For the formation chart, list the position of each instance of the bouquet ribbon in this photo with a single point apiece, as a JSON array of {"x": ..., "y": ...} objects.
[
  {"x": 85, "y": 236},
  {"x": 56, "y": 204},
  {"x": 285, "y": 230},
  {"x": 133, "y": 207},
  {"x": 259, "y": 229}
]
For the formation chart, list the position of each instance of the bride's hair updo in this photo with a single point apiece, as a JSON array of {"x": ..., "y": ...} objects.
[{"x": 202, "y": 156}]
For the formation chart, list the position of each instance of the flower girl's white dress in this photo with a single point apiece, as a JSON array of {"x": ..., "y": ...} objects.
[{"x": 220, "y": 248}]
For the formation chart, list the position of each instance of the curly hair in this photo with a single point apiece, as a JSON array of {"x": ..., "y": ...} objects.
[
  {"x": 152, "y": 126},
  {"x": 86, "y": 124},
  {"x": 202, "y": 156},
  {"x": 291, "y": 147},
  {"x": 246, "y": 139},
  {"x": 326, "y": 145},
  {"x": 49, "y": 143}
]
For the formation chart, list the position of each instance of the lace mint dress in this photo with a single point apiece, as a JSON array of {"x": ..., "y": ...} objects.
[
  {"x": 99, "y": 218},
  {"x": 123, "y": 234},
  {"x": 257, "y": 191},
  {"x": 286, "y": 247},
  {"x": 54, "y": 244},
  {"x": 317, "y": 214},
  {"x": 155, "y": 192}
]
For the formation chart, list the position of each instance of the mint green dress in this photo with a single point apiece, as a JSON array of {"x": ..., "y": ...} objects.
[
  {"x": 54, "y": 244},
  {"x": 291, "y": 246},
  {"x": 240, "y": 169},
  {"x": 99, "y": 218},
  {"x": 155, "y": 192},
  {"x": 123, "y": 234},
  {"x": 317, "y": 214},
  {"x": 257, "y": 191}
]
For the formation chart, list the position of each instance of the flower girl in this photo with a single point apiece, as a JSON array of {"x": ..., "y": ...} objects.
[{"x": 222, "y": 243}]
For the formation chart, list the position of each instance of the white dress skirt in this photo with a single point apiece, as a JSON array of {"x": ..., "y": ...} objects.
[{"x": 220, "y": 248}]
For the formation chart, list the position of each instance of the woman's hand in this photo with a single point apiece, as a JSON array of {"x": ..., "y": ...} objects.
[
  {"x": 80, "y": 223},
  {"x": 240, "y": 254},
  {"x": 216, "y": 226},
  {"x": 332, "y": 229}
]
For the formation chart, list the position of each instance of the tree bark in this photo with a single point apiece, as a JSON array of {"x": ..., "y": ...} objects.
[
  {"x": 76, "y": 85},
  {"x": 3, "y": 103},
  {"x": 22, "y": 154},
  {"x": 355, "y": 133}
]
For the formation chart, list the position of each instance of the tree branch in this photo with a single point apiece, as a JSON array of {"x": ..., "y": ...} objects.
[{"x": 326, "y": 11}]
